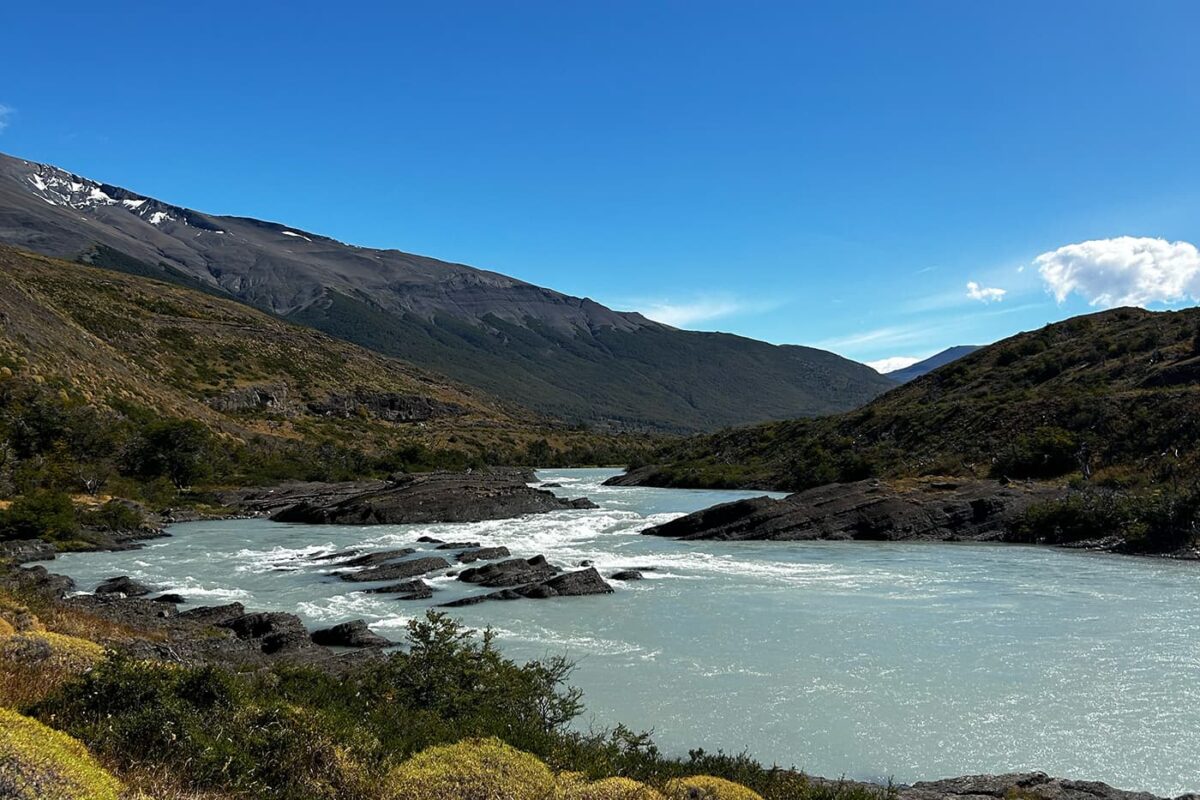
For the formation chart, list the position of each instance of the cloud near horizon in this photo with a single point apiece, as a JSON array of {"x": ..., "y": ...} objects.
[
  {"x": 1123, "y": 271},
  {"x": 5, "y": 113},
  {"x": 886, "y": 365},
  {"x": 679, "y": 315},
  {"x": 985, "y": 294}
]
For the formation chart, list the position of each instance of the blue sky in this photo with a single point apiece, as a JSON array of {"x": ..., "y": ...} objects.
[{"x": 832, "y": 174}]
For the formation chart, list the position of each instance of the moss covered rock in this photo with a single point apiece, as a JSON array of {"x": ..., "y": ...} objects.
[
  {"x": 50, "y": 649},
  {"x": 573, "y": 786},
  {"x": 706, "y": 787},
  {"x": 473, "y": 769},
  {"x": 40, "y": 763}
]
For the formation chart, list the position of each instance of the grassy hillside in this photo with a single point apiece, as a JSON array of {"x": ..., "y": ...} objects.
[
  {"x": 1113, "y": 396},
  {"x": 103, "y": 375}
]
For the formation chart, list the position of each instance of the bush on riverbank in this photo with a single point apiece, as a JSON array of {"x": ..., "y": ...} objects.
[
  {"x": 292, "y": 733},
  {"x": 1146, "y": 521}
]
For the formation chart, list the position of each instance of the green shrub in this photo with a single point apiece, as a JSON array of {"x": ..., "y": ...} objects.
[
  {"x": 1047, "y": 452},
  {"x": 473, "y": 769},
  {"x": 40, "y": 513},
  {"x": 707, "y": 787}
]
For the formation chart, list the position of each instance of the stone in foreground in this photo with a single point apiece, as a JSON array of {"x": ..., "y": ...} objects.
[{"x": 354, "y": 633}]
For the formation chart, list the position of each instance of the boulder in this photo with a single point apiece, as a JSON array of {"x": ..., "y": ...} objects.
[
  {"x": 349, "y": 634},
  {"x": 123, "y": 585},
  {"x": 568, "y": 584},
  {"x": 274, "y": 631},
  {"x": 38, "y": 580},
  {"x": 627, "y": 575},
  {"x": 457, "y": 545},
  {"x": 214, "y": 615},
  {"x": 396, "y": 570},
  {"x": 483, "y": 554},
  {"x": 407, "y": 590},
  {"x": 374, "y": 559},
  {"x": 513, "y": 572},
  {"x": 174, "y": 599},
  {"x": 21, "y": 551}
]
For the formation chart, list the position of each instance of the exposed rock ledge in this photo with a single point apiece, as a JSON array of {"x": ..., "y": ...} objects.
[
  {"x": 1025, "y": 785},
  {"x": 872, "y": 510},
  {"x": 407, "y": 499}
]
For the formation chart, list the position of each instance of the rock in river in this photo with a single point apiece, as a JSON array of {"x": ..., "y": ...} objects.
[
  {"x": 483, "y": 554},
  {"x": 567, "y": 584},
  {"x": 123, "y": 585},
  {"x": 870, "y": 510},
  {"x": 510, "y": 573},
  {"x": 397, "y": 570},
  {"x": 430, "y": 498}
]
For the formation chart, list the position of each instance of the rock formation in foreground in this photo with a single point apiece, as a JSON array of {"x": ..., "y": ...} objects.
[{"x": 871, "y": 510}]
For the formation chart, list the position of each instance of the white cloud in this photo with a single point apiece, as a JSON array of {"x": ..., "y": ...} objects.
[
  {"x": 885, "y": 365},
  {"x": 5, "y": 113},
  {"x": 985, "y": 294},
  {"x": 1124, "y": 271},
  {"x": 680, "y": 315}
]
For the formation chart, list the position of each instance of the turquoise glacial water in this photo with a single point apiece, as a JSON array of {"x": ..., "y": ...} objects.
[{"x": 870, "y": 660}]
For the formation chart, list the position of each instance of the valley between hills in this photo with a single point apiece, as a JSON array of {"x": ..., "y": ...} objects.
[{"x": 149, "y": 382}]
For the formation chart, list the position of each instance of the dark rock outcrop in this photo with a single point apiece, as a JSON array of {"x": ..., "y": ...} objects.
[
  {"x": 214, "y": 615},
  {"x": 375, "y": 559},
  {"x": 354, "y": 633},
  {"x": 627, "y": 575},
  {"x": 867, "y": 510},
  {"x": 406, "y": 590},
  {"x": 1026, "y": 785},
  {"x": 396, "y": 570},
  {"x": 254, "y": 398},
  {"x": 638, "y": 476},
  {"x": 429, "y": 498},
  {"x": 387, "y": 406},
  {"x": 22, "y": 551},
  {"x": 273, "y": 631},
  {"x": 457, "y": 545},
  {"x": 483, "y": 554},
  {"x": 513, "y": 572},
  {"x": 171, "y": 598},
  {"x": 567, "y": 584},
  {"x": 123, "y": 585}
]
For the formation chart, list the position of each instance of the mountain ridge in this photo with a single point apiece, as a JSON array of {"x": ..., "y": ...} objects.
[
  {"x": 556, "y": 354},
  {"x": 913, "y": 371},
  {"x": 1109, "y": 396}
]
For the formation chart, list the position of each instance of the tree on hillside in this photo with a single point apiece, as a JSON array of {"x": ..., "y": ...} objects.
[{"x": 180, "y": 450}]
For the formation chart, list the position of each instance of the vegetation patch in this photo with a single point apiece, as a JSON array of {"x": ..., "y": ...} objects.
[{"x": 39, "y": 763}]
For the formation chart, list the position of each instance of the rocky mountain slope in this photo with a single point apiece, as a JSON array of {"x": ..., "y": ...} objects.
[
  {"x": 941, "y": 359},
  {"x": 122, "y": 346},
  {"x": 1111, "y": 397},
  {"x": 565, "y": 356}
]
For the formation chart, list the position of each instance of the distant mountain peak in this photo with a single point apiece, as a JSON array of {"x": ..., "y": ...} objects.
[{"x": 914, "y": 371}]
